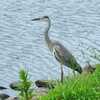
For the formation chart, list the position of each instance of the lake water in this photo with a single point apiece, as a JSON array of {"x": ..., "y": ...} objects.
[{"x": 75, "y": 23}]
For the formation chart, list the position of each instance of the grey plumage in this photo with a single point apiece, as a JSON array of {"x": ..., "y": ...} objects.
[
  {"x": 61, "y": 54},
  {"x": 65, "y": 57}
]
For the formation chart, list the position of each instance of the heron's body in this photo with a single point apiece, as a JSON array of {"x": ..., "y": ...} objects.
[{"x": 62, "y": 55}]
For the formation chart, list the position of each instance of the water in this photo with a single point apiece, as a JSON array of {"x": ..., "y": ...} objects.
[{"x": 75, "y": 23}]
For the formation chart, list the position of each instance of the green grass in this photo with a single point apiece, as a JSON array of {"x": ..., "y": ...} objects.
[
  {"x": 25, "y": 86},
  {"x": 82, "y": 87}
]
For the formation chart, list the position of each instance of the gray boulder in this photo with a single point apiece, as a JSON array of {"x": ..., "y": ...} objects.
[{"x": 3, "y": 96}]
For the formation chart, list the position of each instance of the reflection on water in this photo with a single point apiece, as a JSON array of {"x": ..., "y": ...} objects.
[{"x": 75, "y": 23}]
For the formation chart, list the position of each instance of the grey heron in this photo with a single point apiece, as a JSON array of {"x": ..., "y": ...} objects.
[{"x": 62, "y": 55}]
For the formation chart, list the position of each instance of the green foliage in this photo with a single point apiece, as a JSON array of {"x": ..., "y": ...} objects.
[
  {"x": 82, "y": 87},
  {"x": 25, "y": 85}
]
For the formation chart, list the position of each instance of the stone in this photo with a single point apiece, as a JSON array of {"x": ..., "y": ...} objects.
[
  {"x": 2, "y": 88},
  {"x": 88, "y": 69},
  {"x": 15, "y": 86},
  {"x": 12, "y": 98},
  {"x": 44, "y": 84},
  {"x": 3, "y": 96}
]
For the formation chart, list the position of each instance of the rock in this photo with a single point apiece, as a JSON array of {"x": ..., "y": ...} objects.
[
  {"x": 39, "y": 83},
  {"x": 40, "y": 92},
  {"x": 3, "y": 96},
  {"x": 88, "y": 69},
  {"x": 12, "y": 98},
  {"x": 42, "y": 88},
  {"x": 15, "y": 86},
  {"x": 2, "y": 88},
  {"x": 44, "y": 84}
]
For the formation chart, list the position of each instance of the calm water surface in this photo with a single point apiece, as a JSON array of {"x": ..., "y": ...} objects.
[{"x": 75, "y": 23}]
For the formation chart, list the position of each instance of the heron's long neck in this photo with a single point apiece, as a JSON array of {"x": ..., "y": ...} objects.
[{"x": 47, "y": 38}]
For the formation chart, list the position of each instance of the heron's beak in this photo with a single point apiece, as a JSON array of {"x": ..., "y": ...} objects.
[{"x": 36, "y": 19}]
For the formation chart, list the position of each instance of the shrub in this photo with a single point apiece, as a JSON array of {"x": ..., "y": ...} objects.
[{"x": 25, "y": 85}]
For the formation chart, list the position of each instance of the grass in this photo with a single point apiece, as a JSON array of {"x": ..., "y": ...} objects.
[
  {"x": 82, "y": 87},
  {"x": 25, "y": 85}
]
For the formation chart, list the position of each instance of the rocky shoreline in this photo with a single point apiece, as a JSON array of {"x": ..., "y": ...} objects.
[{"x": 42, "y": 87}]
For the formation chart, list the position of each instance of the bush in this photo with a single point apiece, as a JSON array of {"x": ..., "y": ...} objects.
[{"x": 25, "y": 85}]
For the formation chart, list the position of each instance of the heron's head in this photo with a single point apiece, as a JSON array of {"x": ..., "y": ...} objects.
[{"x": 44, "y": 18}]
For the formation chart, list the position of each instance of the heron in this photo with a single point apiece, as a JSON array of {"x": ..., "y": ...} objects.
[{"x": 61, "y": 54}]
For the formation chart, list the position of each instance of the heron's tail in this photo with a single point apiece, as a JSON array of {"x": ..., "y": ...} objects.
[{"x": 78, "y": 69}]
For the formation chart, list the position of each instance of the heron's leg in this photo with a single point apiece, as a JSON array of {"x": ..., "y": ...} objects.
[{"x": 62, "y": 74}]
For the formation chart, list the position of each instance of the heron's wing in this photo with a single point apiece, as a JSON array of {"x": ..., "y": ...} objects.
[
  {"x": 65, "y": 57},
  {"x": 60, "y": 54}
]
